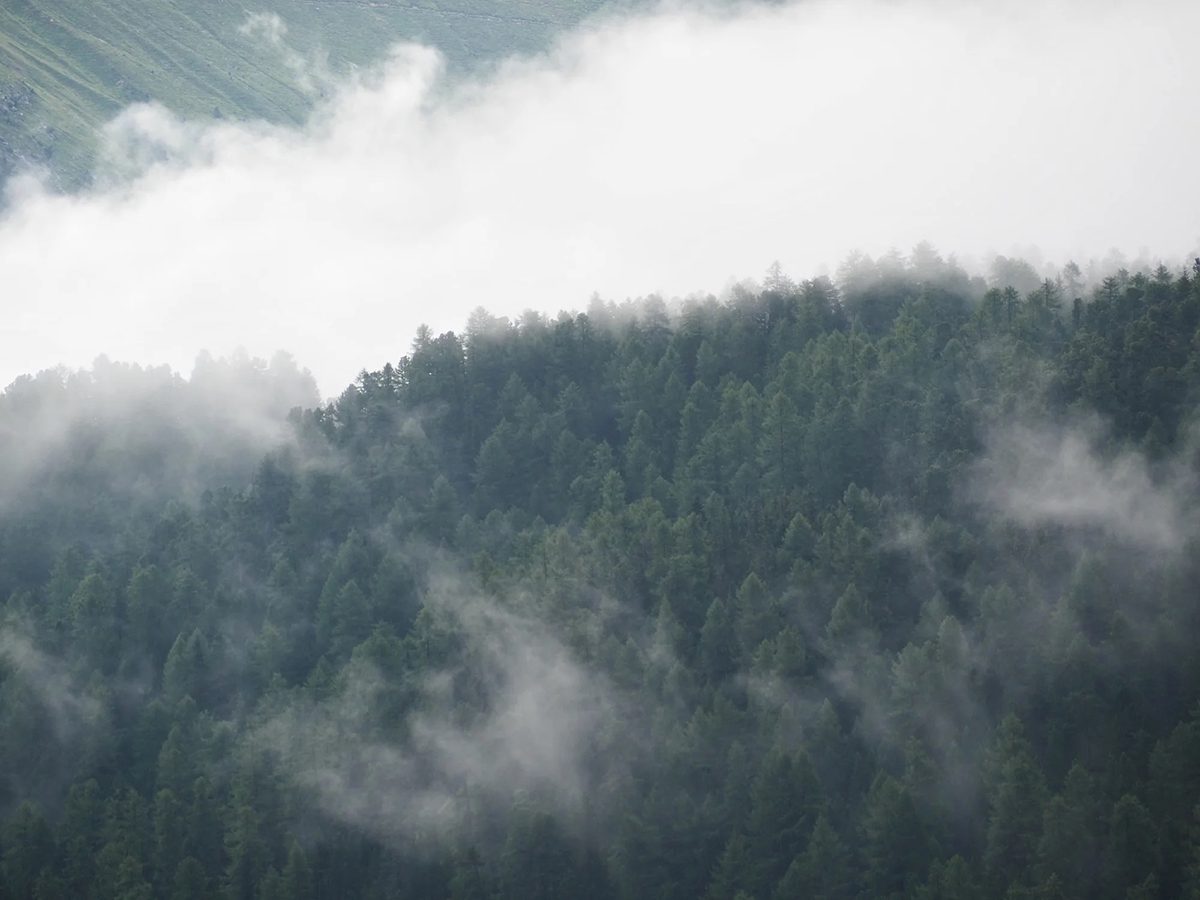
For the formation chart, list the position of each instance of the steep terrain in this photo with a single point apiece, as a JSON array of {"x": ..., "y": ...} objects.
[{"x": 67, "y": 66}]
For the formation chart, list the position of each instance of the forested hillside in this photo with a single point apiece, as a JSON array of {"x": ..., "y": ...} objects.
[
  {"x": 68, "y": 66},
  {"x": 882, "y": 587}
]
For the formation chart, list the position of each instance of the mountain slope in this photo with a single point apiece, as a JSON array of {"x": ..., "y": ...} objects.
[
  {"x": 819, "y": 592},
  {"x": 67, "y": 66}
]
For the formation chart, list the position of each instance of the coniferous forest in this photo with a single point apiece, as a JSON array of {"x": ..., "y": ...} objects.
[{"x": 876, "y": 586}]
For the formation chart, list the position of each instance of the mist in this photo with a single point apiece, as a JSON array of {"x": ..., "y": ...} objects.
[
  {"x": 1058, "y": 476},
  {"x": 545, "y": 727},
  {"x": 82, "y": 448},
  {"x": 46, "y": 702},
  {"x": 671, "y": 151}
]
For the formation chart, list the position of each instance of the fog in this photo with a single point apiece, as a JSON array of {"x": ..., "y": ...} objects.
[
  {"x": 144, "y": 435},
  {"x": 1055, "y": 476},
  {"x": 670, "y": 151},
  {"x": 545, "y": 730}
]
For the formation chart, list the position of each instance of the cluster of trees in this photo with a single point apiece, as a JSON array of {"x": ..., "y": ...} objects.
[{"x": 784, "y": 545}]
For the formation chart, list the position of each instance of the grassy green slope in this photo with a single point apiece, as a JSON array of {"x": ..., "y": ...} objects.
[{"x": 66, "y": 66}]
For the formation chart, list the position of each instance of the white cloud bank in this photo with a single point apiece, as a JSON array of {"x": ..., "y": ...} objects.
[{"x": 670, "y": 152}]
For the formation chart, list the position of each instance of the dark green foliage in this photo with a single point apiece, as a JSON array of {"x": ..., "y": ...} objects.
[
  {"x": 896, "y": 850},
  {"x": 733, "y": 603},
  {"x": 28, "y": 850},
  {"x": 1069, "y": 848},
  {"x": 1016, "y": 796},
  {"x": 822, "y": 872}
]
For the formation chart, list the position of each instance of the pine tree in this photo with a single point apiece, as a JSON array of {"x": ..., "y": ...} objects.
[{"x": 1016, "y": 800}]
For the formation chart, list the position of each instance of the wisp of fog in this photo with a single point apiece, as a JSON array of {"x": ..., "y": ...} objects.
[{"x": 670, "y": 150}]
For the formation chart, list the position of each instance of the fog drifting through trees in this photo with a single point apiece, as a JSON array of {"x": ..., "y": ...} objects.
[{"x": 879, "y": 588}]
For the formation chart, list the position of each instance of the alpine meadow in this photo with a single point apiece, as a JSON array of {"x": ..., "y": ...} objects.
[{"x": 408, "y": 490}]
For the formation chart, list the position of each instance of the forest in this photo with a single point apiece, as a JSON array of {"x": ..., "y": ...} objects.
[{"x": 882, "y": 585}]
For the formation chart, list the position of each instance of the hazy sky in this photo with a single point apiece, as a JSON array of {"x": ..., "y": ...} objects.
[{"x": 669, "y": 152}]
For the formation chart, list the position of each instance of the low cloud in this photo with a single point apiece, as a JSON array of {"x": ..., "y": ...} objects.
[
  {"x": 71, "y": 710},
  {"x": 1058, "y": 476},
  {"x": 312, "y": 73},
  {"x": 53, "y": 726},
  {"x": 137, "y": 433},
  {"x": 667, "y": 151},
  {"x": 535, "y": 729}
]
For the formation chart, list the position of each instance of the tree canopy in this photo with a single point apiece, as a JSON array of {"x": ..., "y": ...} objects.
[{"x": 884, "y": 587}]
